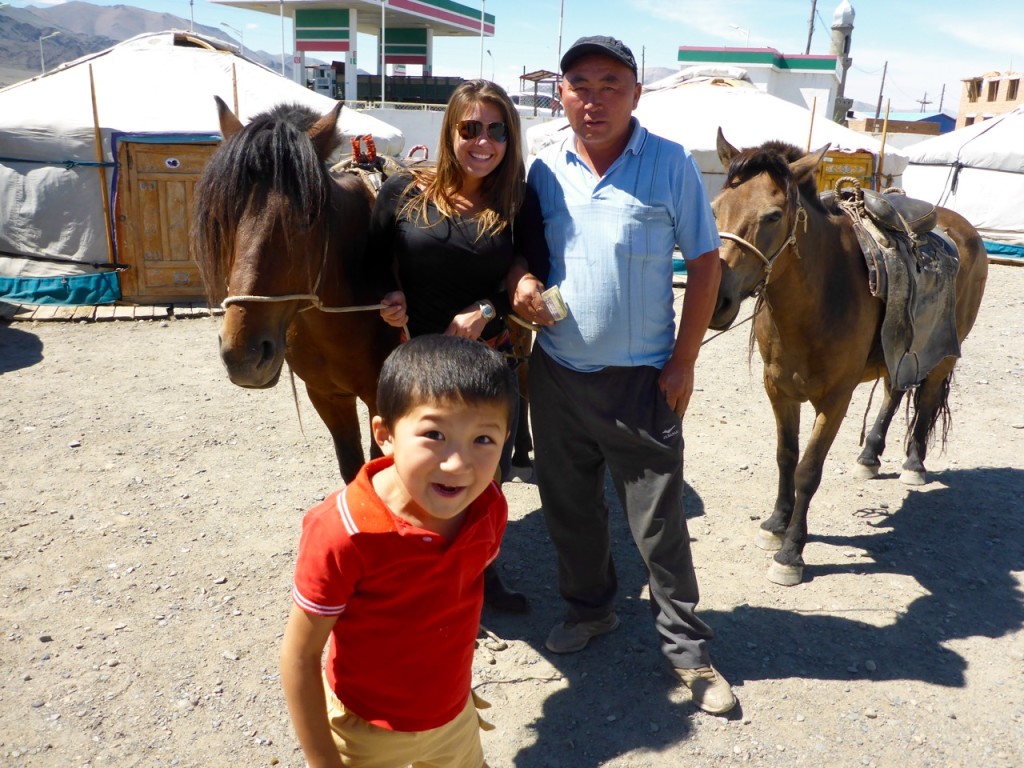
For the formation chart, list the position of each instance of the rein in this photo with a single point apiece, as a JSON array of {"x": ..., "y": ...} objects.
[{"x": 313, "y": 297}]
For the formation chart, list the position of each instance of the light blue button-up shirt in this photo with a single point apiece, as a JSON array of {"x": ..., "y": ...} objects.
[{"x": 611, "y": 241}]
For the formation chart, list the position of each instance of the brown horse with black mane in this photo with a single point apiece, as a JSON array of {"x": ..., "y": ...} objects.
[
  {"x": 279, "y": 242},
  {"x": 818, "y": 327}
]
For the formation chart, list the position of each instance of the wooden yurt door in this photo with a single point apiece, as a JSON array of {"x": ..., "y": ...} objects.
[{"x": 153, "y": 214}]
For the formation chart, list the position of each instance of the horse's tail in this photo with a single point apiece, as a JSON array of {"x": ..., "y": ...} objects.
[{"x": 941, "y": 412}]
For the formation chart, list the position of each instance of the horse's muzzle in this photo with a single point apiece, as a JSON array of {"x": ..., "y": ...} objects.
[{"x": 253, "y": 364}]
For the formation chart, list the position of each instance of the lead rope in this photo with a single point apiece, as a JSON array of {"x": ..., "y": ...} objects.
[
  {"x": 314, "y": 303},
  {"x": 313, "y": 298}
]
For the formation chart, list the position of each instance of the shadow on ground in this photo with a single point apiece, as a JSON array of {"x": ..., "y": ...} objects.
[
  {"x": 18, "y": 349},
  {"x": 961, "y": 542}
]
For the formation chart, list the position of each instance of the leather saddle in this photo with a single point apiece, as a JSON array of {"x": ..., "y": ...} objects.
[
  {"x": 899, "y": 213},
  {"x": 893, "y": 211},
  {"x": 912, "y": 268}
]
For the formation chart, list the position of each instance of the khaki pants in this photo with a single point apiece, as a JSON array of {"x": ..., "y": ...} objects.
[{"x": 456, "y": 744}]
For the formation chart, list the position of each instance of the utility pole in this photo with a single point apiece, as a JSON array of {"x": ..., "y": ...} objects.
[
  {"x": 282, "y": 42},
  {"x": 810, "y": 27},
  {"x": 924, "y": 102},
  {"x": 483, "y": 10},
  {"x": 942, "y": 96},
  {"x": 42, "y": 60},
  {"x": 558, "y": 63},
  {"x": 878, "y": 109}
]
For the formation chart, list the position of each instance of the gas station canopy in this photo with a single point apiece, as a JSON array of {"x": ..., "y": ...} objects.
[
  {"x": 405, "y": 31},
  {"x": 442, "y": 17}
]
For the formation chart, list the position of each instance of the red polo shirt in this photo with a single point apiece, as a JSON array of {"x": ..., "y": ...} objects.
[{"x": 408, "y": 602}]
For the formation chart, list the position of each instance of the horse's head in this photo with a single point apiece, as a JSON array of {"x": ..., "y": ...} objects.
[
  {"x": 758, "y": 212},
  {"x": 260, "y": 231}
]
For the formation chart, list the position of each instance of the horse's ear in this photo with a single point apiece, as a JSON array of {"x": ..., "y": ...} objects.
[
  {"x": 324, "y": 133},
  {"x": 229, "y": 124},
  {"x": 803, "y": 168},
  {"x": 726, "y": 151}
]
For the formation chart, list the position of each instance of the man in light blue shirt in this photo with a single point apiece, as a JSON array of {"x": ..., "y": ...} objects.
[{"x": 610, "y": 383}]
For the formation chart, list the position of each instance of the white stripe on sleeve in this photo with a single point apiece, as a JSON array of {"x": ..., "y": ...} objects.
[{"x": 310, "y": 607}]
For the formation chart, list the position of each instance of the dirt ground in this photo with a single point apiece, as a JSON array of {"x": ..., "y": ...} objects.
[{"x": 150, "y": 514}]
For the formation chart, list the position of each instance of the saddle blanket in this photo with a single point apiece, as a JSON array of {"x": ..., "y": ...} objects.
[{"x": 916, "y": 278}]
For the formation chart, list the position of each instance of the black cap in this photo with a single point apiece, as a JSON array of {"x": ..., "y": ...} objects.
[{"x": 601, "y": 46}]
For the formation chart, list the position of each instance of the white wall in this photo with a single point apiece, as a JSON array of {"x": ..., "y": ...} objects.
[
  {"x": 421, "y": 126},
  {"x": 798, "y": 88}
]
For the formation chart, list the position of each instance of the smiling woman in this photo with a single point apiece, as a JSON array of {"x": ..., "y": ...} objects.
[{"x": 443, "y": 239}]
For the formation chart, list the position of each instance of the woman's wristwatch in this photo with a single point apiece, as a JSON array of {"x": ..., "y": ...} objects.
[{"x": 487, "y": 310}]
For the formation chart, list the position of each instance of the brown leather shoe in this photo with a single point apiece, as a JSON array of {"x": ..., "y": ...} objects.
[
  {"x": 572, "y": 636},
  {"x": 711, "y": 692}
]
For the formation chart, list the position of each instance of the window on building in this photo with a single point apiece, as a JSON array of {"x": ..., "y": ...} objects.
[
  {"x": 968, "y": 121},
  {"x": 993, "y": 90},
  {"x": 973, "y": 89},
  {"x": 1011, "y": 90}
]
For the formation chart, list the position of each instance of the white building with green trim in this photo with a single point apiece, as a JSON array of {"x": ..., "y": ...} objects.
[{"x": 810, "y": 81}]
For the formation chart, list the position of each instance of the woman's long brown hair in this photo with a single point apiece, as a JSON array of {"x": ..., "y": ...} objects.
[{"x": 503, "y": 187}]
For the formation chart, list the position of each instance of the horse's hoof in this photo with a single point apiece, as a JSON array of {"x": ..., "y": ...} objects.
[
  {"x": 865, "y": 471},
  {"x": 768, "y": 541},
  {"x": 785, "y": 575},
  {"x": 913, "y": 477}
]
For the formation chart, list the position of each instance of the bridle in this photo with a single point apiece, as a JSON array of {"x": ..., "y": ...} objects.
[
  {"x": 769, "y": 261},
  {"x": 313, "y": 297}
]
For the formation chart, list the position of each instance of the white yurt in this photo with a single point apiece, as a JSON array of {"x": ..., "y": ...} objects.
[
  {"x": 690, "y": 106},
  {"x": 977, "y": 171},
  {"x": 98, "y": 159}
]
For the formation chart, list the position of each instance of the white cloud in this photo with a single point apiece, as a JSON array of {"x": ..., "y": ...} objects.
[
  {"x": 714, "y": 19},
  {"x": 984, "y": 34}
]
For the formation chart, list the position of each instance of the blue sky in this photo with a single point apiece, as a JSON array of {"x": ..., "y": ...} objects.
[{"x": 928, "y": 44}]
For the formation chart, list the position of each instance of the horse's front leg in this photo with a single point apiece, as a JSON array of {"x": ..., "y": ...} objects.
[
  {"x": 930, "y": 405},
  {"x": 339, "y": 413},
  {"x": 788, "y": 566},
  {"x": 869, "y": 462},
  {"x": 787, "y": 452}
]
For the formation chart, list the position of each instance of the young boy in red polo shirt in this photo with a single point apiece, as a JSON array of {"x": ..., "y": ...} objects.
[{"x": 390, "y": 570}]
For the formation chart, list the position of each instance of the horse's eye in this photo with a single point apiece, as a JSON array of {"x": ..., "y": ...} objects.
[{"x": 773, "y": 218}]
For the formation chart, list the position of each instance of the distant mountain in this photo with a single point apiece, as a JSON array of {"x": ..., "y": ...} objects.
[
  {"x": 123, "y": 22},
  {"x": 20, "y": 33},
  {"x": 85, "y": 28},
  {"x": 117, "y": 22}
]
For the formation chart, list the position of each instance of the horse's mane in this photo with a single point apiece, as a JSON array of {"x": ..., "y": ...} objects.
[
  {"x": 271, "y": 154},
  {"x": 773, "y": 157}
]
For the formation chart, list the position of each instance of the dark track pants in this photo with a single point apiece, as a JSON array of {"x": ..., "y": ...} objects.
[{"x": 618, "y": 419}]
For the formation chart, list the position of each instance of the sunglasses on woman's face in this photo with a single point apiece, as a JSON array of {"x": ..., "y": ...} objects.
[{"x": 471, "y": 129}]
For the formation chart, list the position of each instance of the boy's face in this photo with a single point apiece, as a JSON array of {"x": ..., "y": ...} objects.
[{"x": 445, "y": 456}]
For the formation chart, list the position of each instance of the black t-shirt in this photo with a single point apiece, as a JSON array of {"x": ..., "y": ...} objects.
[{"x": 441, "y": 264}]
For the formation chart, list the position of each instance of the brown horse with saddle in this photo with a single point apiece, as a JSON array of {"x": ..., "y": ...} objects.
[{"x": 823, "y": 324}]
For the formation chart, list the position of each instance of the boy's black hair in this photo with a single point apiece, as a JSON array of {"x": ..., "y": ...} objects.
[{"x": 436, "y": 368}]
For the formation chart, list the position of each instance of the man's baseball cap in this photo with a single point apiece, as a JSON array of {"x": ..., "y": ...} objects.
[{"x": 601, "y": 46}]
